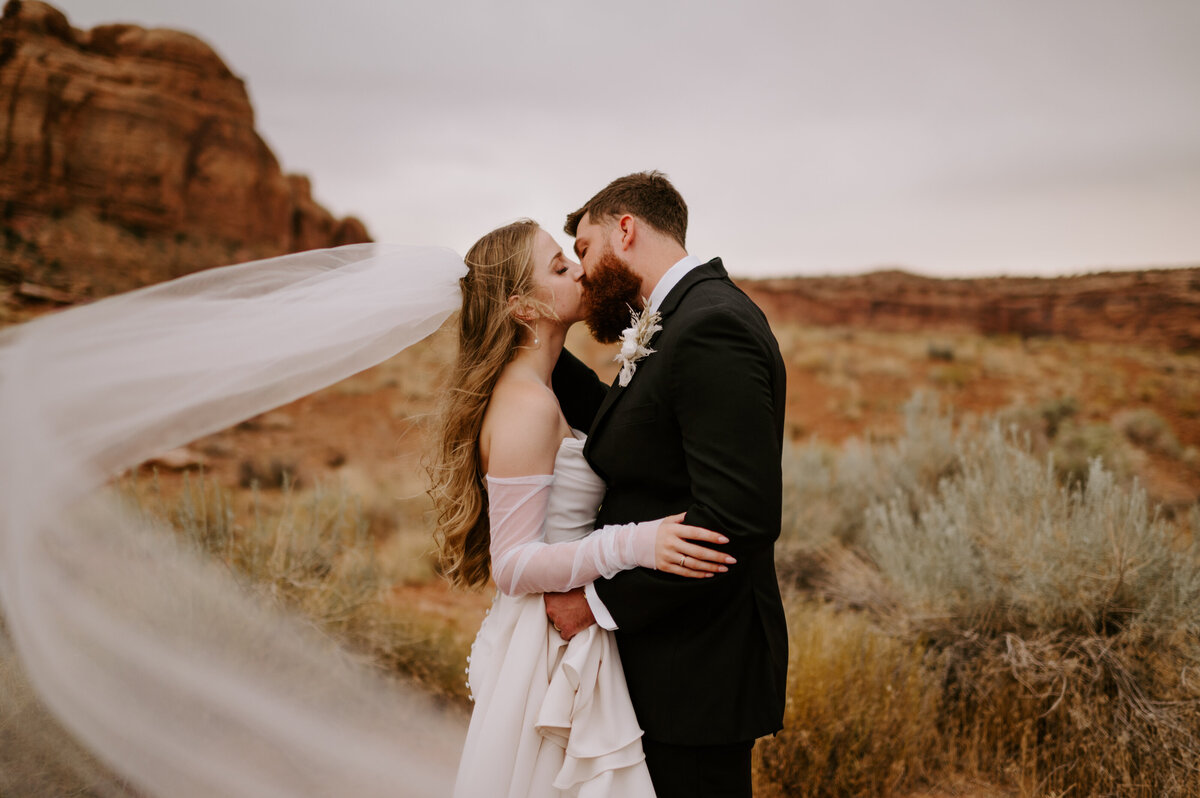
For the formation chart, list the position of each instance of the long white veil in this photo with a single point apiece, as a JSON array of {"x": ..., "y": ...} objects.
[{"x": 153, "y": 658}]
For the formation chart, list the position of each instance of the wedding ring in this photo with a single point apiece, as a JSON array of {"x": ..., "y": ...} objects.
[
  {"x": 556, "y": 628},
  {"x": 682, "y": 560}
]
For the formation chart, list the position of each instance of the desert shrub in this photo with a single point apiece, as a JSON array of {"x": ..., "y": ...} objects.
[
  {"x": 1054, "y": 412},
  {"x": 274, "y": 474},
  {"x": 1067, "y": 620},
  {"x": 952, "y": 375},
  {"x": 825, "y": 494},
  {"x": 1146, "y": 428},
  {"x": 1190, "y": 456},
  {"x": 940, "y": 351},
  {"x": 861, "y": 715},
  {"x": 1078, "y": 444},
  {"x": 1055, "y": 613},
  {"x": 1147, "y": 388},
  {"x": 1054, "y": 426},
  {"x": 1039, "y": 423},
  {"x": 1002, "y": 542}
]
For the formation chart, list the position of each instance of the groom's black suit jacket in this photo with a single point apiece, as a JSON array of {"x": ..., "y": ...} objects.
[{"x": 699, "y": 428}]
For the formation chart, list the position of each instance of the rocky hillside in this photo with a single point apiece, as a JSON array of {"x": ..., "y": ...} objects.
[
  {"x": 1157, "y": 308},
  {"x": 129, "y": 156}
]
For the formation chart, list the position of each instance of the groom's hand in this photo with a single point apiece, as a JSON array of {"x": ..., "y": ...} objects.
[{"x": 569, "y": 612}]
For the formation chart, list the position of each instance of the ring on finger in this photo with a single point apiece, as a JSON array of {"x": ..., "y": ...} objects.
[{"x": 682, "y": 560}]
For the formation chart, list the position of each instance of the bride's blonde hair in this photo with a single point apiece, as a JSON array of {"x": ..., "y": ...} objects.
[{"x": 499, "y": 267}]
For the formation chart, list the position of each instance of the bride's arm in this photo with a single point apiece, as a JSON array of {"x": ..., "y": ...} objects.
[
  {"x": 522, "y": 562},
  {"x": 522, "y": 437}
]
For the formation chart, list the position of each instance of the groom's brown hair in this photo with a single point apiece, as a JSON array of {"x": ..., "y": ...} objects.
[{"x": 646, "y": 195}]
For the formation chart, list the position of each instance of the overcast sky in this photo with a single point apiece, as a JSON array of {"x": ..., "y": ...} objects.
[{"x": 949, "y": 137}]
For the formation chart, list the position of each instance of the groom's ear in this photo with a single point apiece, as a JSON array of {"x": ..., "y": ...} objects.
[{"x": 625, "y": 232}]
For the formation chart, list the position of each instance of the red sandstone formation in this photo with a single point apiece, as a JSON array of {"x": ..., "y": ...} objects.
[
  {"x": 129, "y": 156},
  {"x": 1157, "y": 308}
]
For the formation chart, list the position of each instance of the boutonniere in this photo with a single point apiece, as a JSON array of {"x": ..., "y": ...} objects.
[{"x": 634, "y": 340}]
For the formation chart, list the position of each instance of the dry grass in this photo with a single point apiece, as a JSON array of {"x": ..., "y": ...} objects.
[
  {"x": 862, "y": 711},
  {"x": 319, "y": 551}
]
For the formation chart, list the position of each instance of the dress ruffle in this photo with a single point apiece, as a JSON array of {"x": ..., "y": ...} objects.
[
  {"x": 587, "y": 712},
  {"x": 552, "y": 719}
]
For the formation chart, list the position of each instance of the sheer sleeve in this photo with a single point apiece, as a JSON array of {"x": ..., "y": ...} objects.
[{"x": 522, "y": 562}]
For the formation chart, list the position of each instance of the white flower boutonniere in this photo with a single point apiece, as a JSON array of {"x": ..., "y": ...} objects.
[{"x": 634, "y": 339}]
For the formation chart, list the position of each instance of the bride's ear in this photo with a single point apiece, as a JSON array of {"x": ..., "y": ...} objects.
[{"x": 523, "y": 309}]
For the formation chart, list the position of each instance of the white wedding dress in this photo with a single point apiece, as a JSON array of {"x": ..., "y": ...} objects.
[{"x": 551, "y": 718}]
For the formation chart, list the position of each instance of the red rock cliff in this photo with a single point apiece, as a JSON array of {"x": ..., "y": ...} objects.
[{"x": 129, "y": 156}]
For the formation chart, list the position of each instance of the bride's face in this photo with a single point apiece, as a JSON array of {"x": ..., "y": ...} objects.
[{"x": 557, "y": 279}]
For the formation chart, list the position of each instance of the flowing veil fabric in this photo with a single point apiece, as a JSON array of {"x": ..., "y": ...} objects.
[{"x": 153, "y": 658}]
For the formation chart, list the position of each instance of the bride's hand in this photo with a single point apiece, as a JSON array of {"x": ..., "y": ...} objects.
[{"x": 676, "y": 552}]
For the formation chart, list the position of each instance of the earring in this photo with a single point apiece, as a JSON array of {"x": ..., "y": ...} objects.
[{"x": 536, "y": 340}]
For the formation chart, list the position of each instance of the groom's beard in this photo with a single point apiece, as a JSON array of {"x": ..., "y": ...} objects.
[{"x": 610, "y": 293}]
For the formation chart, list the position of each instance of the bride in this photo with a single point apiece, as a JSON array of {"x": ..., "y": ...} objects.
[{"x": 513, "y": 492}]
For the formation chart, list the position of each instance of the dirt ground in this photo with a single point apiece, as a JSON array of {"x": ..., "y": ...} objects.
[{"x": 370, "y": 432}]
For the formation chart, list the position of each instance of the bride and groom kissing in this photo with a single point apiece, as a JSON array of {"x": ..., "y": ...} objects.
[
  {"x": 641, "y": 517},
  {"x": 637, "y": 645}
]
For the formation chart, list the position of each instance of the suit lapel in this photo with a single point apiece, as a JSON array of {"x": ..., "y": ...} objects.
[{"x": 712, "y": 270}]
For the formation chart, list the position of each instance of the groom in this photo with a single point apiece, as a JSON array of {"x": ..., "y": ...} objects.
[{"x": 698, "y": 426}]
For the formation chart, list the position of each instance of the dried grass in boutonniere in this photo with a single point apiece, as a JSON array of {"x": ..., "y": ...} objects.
[{"x": 634, "y": 340}]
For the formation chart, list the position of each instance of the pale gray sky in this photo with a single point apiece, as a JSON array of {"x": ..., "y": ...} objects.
[{"x": 950, "y": 137}]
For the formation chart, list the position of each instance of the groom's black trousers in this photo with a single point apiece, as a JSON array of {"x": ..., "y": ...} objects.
[{"x": 699, "y": 771}]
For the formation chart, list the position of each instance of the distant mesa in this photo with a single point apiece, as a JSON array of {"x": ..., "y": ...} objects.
[
  {"x": 1157, "y": 308},
  {"x": 129, "y": 156}
]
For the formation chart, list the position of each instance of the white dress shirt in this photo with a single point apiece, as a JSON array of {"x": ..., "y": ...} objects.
[{"x": 669, "y": 280}]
